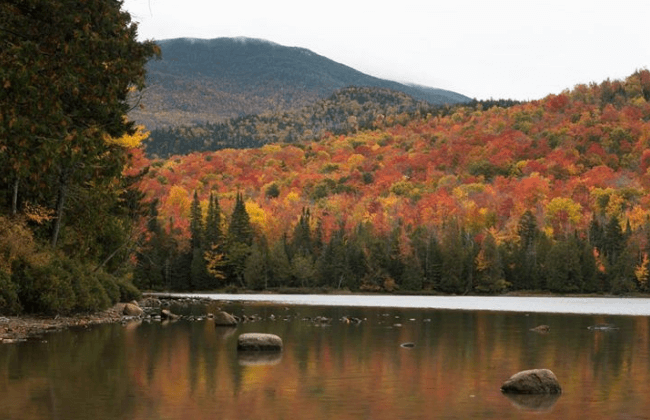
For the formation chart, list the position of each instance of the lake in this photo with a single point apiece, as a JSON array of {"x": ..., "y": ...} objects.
[{"x": 464, "y": 349}]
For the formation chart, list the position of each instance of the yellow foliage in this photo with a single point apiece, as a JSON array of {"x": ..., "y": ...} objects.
[
  {"x": 637, "y": 217},
  {"x": 37, "y": 213},
  {"x": 129, "y": 141},
  {"x": 215, "y": 263},
  {"x": 355, "y": 160},
  {"x": 256, "y": 214},
  {"x": 179, "y": 197},
  {"x": 292, "y": 197},
  {"x": 17, "y": 242},
  {"x": 615, "y": 206},
  {"x": 564, "y": 207},
  {"x": 270, "y": 149}
]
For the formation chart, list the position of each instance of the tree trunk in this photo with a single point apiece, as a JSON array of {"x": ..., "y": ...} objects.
[
  {"x": 60, "y": 203},
  {"x": 14, "y": 198}
]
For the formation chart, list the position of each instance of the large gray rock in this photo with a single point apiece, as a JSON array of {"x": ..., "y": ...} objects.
[
  {"x": 259, "y": 342},
  {"x": 534, "y": 381},
  {"x": 132, "y": 309},
  {"x": 224, "y": 319}
]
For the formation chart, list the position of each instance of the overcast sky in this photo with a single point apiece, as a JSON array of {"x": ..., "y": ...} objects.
[{"x": 518, "y": 49}]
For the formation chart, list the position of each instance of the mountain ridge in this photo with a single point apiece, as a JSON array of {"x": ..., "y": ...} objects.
[{"x": 212, "y": 80}]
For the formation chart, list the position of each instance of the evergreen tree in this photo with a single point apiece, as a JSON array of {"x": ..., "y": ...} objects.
[
  {"x": 526, "y": 275},
  {"x": 240, "y": 239},
  {"x": 196, "y": 222},
  {"x": 279, "y": 265},
  {"x": 213, "y": 234},
  {"x": 149, "y": 269},
  {"x": 562, "y": 267},
  {"x": 622, "y": 275},
  {"x": 67, "y": 68},
  {"x": 588, "y": 267},
  {"x": 256, "y": 271},
  {"x": 240, "y": 229},
  {"x": 301, "y": 242},
  {"x": 454, "y": 257},
  {"x": 614, "y": 241},
  {"x": 490, "y": 275},
  {"x": 199, "y": 278}
]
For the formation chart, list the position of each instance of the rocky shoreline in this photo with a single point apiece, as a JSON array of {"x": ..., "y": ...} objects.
[
  {"x": 15, "y": 329},
  {"x": 20, "y": 328}
]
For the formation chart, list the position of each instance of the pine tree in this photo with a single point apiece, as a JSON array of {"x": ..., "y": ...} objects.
[
  {"x": 213, "y": 234},
  {"x": 196, "y": 223},
  {"x": 240, "y": 229},
  {"x": 526, "y": 275},
  {"x": 240, "y": 239},
  {"x": 490, "y": 276},
  {"x": 301, "y": 242},
  {"x": 562, "y": 267}
]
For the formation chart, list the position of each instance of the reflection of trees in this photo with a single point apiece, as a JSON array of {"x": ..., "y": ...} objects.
[
  {"x": 74, "y": 374},
  {"x": 333, "y": 371}
]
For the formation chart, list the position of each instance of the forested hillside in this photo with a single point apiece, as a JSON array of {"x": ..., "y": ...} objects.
[
  {"x": 209, "y": 81},
  {"x": 547, "y": 195},
  {"x": 347, "y": 111}
]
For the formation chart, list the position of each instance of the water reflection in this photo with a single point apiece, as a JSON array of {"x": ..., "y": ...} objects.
[
  {"x": 330, "y": 370},
  {"x": 540, "y": 402}
]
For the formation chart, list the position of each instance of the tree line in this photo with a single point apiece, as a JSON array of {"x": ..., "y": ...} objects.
[{"x": 228, "y": 253}]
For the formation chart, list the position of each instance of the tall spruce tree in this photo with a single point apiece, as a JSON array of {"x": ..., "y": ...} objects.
[{"x": 240, "y": 239}]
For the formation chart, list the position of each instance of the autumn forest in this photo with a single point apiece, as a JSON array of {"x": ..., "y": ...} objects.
[{"x": 549, "y": 195}]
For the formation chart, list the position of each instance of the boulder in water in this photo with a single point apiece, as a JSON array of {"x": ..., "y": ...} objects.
[
  {"x": 224, "y": 319},
  {"x": 132, "y": 309},
  {"x": 534, "y": 381},
  {"x": 259, "y": 342}
]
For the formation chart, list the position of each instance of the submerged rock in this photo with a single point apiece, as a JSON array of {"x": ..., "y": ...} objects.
[
  {"x": 534, "y": 381},
  {"x": 541, "y": 329},
  {"x": 259, "y": 342},
  {"x": 603, "y": 327},
  {"x": 407, "y": 345},
  {"x": 167, "y": 314},
  {"x": 224, "y": 319}
]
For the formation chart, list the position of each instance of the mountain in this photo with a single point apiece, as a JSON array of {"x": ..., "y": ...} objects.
[
  {"x": 209, "y": 81},
  {"x": 346, "y": 111}
]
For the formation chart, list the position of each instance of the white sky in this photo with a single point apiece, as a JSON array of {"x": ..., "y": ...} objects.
[{"x": 518, "y": 49}]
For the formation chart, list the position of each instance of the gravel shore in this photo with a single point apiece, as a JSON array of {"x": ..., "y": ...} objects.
[{"x": 20, "y": 328}]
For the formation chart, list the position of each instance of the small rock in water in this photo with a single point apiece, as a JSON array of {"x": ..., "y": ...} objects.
[
  {"x": 541, "y": 329},
  {"x": 408, "y": 345}
]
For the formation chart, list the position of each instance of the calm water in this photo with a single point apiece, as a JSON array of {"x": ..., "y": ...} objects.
[{"x": 191, "y": 370}]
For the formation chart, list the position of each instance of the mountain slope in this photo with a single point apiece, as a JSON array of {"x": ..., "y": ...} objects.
[{"x": 199, "y": 81}]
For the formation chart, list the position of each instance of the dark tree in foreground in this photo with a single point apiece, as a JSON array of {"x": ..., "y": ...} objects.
[{"x": 66, "y": 69}]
